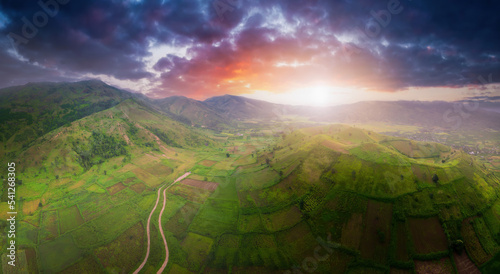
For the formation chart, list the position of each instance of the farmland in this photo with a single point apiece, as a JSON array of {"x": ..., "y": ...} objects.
[{"x": 359, "y": 201}]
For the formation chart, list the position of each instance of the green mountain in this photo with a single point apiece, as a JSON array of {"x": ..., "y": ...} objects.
[
  {"x": 271, "y": 198},
  {"x": 30, "y": 111},
  {"x": 437, "y": 114},
  {"x": 195, "y": 112},
  {"x": 237, "y": 107}
]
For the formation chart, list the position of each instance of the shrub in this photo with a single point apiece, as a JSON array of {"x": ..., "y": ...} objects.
[
  {"x": 457, "y": 246},
  {"x": 435, "y": 178}
]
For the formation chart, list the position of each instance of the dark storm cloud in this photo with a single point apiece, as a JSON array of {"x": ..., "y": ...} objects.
[
  {"x": 233, "y": 44},
  {"x": 103, "y": 37},
  {"x": 11, "y": 68}
]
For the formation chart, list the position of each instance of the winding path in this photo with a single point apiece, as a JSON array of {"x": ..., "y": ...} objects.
[{"x": 159, "y": 224}]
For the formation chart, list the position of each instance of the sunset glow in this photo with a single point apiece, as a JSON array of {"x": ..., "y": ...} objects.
[{"x": 313, "y": 51}]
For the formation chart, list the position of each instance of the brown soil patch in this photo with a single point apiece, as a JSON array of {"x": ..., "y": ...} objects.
[
  {"x": 377, "y": 231},
  {"x": 464, "y": 264},
  {"x": 200, "y": 184},
  {"x": 401, "y": 242},
  {"x": 428, "y": 235},
  {"x": 400, "y": 271},
  {"x": 352, "y": 231},
  {"x": 138, "y": 188},
  {"x": 160, "y": 170},
  {"x": 115, "y": 188},
  {"x": 442, "y": 266},
  {"x": 29, "y": 207},
  {"x": 60, "y": 182},
  {"x": 77, "y": 185},
  {"x": 334, "y": 146},
  {"x": 232, "y": 150},
  {"x": 129, "y": 180},
  {"x": 193, "y": 194},
  {"x": 146, "y": 177}
]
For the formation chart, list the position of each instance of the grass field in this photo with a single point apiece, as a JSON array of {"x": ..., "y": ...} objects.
[
  {"x": 282, "y": 219},
  {"x": 197, "y": 247},
  {"x": 58, "y": 254},
  {"x": 266, "y": 208},
  {"x": 472, "y": 243},
  {"x": 178, "y": 224},
  {"x": 215, "y": 218},
  {"x": 69, "y": 218},
  {"x": 86, "y": 265},
  {"x": 226, "y": 251},
  {"x": 50, "y": 224},
  {"x": 125, "y": 252}
]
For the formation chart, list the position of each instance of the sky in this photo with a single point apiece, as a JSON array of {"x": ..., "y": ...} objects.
[{"x": 297, "y": 52}]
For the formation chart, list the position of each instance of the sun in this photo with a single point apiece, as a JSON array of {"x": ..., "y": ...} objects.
[{"x": 318, "y": 96}]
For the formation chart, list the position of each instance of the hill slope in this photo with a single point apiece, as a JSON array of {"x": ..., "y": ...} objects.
[
  {"x": 237, "y": 107},
  {"x": 32, "y": 110},
  {"x": 437, "y": 114},
  {"x": 196, "y": 112},
  {"x": 254, "y": 201}
]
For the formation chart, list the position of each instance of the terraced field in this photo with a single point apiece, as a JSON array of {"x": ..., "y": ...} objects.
[{"x": 326, "y": 198}]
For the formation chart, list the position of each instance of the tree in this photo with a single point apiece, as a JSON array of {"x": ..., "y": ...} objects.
[
  {"x": 457, "y": 246},
  {"x": 301, "y": 205},
  {"x": 228, "y": 155},
  {"x": 435, "y": 178},
  {"x": 281, "y": 173},
  {"x": 268, "y": 162}
]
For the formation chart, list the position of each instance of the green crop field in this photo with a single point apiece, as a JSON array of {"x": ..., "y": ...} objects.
[
  {"x": 69, "y": 219},
  {"x": 58, "y": 254}
]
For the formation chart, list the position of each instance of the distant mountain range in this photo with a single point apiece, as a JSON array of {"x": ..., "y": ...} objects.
[{"x": 72, "y": 101}]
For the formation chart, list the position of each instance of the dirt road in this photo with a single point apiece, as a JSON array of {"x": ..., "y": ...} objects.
[{"x": 165, "y": 187}]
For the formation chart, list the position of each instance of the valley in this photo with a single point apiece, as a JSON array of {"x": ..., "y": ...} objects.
[
  {"x": 249, "y": 137},
  {"x": 261, "y": 194}
]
